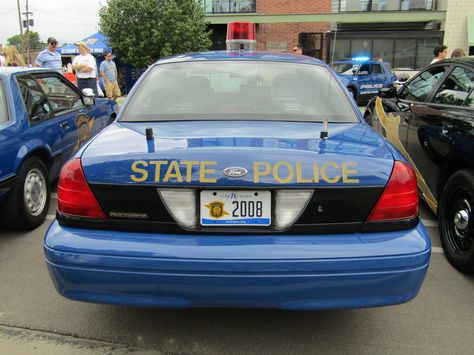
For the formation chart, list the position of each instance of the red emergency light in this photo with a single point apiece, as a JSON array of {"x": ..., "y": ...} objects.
[{"x": 241, "y": 36}]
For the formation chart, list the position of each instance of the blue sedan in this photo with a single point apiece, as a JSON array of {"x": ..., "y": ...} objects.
[
  {"x": 238, "y": 179},
  {"x": 43, "y": 121}
]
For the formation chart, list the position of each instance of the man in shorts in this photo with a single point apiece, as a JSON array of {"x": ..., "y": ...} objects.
[{"x": 108, "y": 72}]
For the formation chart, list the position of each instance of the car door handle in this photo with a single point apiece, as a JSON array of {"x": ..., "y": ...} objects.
[{"x": 64, "y": 124}]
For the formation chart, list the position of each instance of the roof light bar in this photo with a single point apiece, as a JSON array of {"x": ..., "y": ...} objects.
[
  {"x": 360, "y": 59},
  {"x": 241, "y": 36}
]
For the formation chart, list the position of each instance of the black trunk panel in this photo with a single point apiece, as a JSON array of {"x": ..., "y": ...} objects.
[{"x": 139, "y": 208}]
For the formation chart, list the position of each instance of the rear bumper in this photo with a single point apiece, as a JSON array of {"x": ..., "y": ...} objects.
[{"x": 290, "y": 272}]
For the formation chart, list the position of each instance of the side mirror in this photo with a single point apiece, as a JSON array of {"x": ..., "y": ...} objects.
[
  {"x": 88, "y": 92},
  {"x": 88, "y": 101},
  {"x": 388, "y": 93},
  {"x": 354, "y": 71}
]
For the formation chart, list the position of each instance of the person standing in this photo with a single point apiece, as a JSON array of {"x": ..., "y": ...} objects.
[
  {"x": 458, "y": 52},
  {"x": 108, "y": 72},
  {"x": 86, "y": 68},
  {"x": 2, "y": 60},
  {"x": 440, "y": 53},
  {"x": 50, "y": 57},
  {"x": 298, "y": 50}
]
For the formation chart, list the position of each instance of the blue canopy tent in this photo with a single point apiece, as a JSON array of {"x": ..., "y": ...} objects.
[{"x": 98, "y": 44}]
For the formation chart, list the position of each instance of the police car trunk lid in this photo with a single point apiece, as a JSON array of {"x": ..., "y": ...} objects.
[
  {"x": 347, "y": 171},
  {"x": 273, "y": 153}
]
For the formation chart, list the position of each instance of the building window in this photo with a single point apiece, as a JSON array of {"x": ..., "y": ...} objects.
[
  {"x": 312, "y": 44},
  {"x": 341, "y": 51},
  {"x": 424, "y": 50},
  {"x": 361, "y": 48},
  {"x": 229, "y": 6},
  {"x": 383, "y": 5},
  {"x": 382, "y": 49},
  {"x": 405, "y": 50},
  {"x": 412, "y": 51}
]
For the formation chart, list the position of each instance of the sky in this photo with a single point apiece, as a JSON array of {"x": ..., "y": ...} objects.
[{"x": 67, "y": 20}]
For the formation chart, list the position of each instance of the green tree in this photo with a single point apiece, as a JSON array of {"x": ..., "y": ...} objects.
[
  {"x": 35, "y": 42},
  {"x": 142, "y": 31}
]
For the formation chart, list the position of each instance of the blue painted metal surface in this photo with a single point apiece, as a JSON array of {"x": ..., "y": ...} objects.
[
  {"x": 284, "y": 271},
  {"x": 230, "y": 143}
]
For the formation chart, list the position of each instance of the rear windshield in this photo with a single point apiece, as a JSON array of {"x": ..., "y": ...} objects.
[{"x": 246, "y": 90}]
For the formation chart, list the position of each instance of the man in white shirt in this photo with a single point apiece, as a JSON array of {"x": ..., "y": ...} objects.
[
  {"x": 2, "y": 60},
  {"x": 440, "y": 53},
  {"x": 86, "y": 68}
]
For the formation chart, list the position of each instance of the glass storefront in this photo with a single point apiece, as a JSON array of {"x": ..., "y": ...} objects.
[
  {"x": 404, "y": 50},
  {"x": 229, "y": 6},
  {"x": 383, "y": 5}
]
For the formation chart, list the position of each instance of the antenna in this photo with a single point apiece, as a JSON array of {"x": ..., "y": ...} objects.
[
  {"x": 334, "y": 44},
  {"x": 324, "y": 130}
]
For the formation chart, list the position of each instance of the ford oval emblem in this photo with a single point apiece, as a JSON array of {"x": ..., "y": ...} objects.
[{"x": 235, "y": 172}]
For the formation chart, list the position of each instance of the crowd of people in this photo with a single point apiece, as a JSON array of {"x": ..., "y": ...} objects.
[{"x": 84, "y": 66}]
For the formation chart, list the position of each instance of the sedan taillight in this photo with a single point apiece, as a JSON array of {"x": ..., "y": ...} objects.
[
  {"x": 74, "y": 194},
  {"x": 399, "y": 200}
]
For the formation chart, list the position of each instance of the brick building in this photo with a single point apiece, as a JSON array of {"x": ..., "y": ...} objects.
[
  {"x": 271, "y": 35},
  {"x": 403, "y": 32}
]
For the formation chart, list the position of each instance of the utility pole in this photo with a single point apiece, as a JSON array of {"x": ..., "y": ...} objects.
[
  {"x": 21, "y": 30},
  {"x": 27, "y": 13}
]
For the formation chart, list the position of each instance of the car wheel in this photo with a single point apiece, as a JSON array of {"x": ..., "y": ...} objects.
[
  {"x": 456, "y": 219},
  {"x": 28, "y": 201}
]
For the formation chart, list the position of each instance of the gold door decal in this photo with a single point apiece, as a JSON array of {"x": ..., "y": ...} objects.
[{"x": 391, "y": 124}]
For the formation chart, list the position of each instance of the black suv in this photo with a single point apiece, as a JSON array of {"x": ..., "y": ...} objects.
[{"x": 435, "y": 131}]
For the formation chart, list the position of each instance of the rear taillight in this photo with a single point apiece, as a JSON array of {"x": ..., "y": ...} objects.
[
  {"x": 399, "y": 200},
  {"x": 74, "y": 195}
]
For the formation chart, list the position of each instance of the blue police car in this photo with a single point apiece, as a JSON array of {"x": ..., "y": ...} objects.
[
  {"x": 364, "y": 77},
  {"x": 238, "y": 179},
  {"x": 43, "y": 121}
]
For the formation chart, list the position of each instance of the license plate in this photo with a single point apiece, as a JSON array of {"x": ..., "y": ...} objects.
[{"x": 243, "y": 208}]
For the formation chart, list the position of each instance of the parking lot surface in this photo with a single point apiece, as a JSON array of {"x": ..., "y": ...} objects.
[{"x": 437, "y": 321}]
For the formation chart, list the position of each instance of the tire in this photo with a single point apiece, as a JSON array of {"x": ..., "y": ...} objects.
[
  {"x": 28, "y": 200},
  {"x": 456, "y": 220}
]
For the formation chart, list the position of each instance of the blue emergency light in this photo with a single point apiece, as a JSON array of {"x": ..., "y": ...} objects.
[{"x": 360, "y": 59}]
